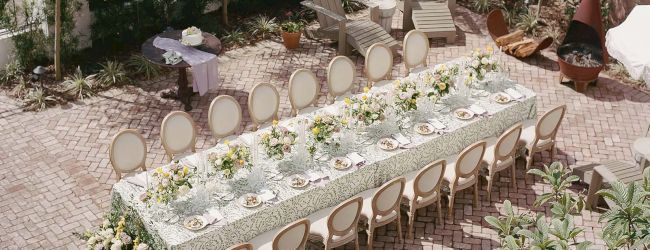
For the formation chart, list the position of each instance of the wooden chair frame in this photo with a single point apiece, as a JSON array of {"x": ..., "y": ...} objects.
[
  {"x": 284, "y": 230},
  {"x": 386, "y": 75},
  {"x": 210, "y": 114},
  {"x": 330, "y": 83},
  {"x": 372, "y": 222},
  {"x": 329, "y": 242},
  {"x": 423, "y": 62},
  {"x": 168, "y": 151},
  {"x": 502, "y": 162},
  {"x": 414, "y": 205},
  {"x": 142, "y": 165},
  {"x": 534, "y": 148},
  {"x": 295, "y": 109},
  {"x": 453, "y": 185},
  {"x": 256, "y": 121}
]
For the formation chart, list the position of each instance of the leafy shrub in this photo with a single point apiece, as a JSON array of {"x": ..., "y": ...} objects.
[
  {"x": 21, "y": 89},
  {"x": 140, "y": 66},
  {"x": 112, "y": 73},
  {"x": 78, "y": 85},
  {"x": 292, "y": 26},
  {"x": 555, "y": 34},
  {"x": 529, "y": 231},
  {"x": 482, "y": 6},
  {"x": 262, "y": 26},
  {"x": 234, "y": 38},
  {"x": 512, "y": 9},
  {"x": 38, "y": 100},
  {"x": 528, "y": 23},
  {"x": 572, "y": 5},
  {"x": 350, "y": 6},
  {"x": 12, "y": 73}
]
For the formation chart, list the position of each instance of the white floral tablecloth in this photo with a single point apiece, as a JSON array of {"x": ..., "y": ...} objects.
[{"x": 242, "y": 224}]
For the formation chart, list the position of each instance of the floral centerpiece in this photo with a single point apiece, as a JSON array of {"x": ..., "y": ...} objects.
[
  {"x": 323, "y": 129},
  {"x": 366, "y": 109},
  {"x": 278, "y": 141},
  {"x": 108, "y": 237},
  {"x": 479, "y": 63},
  {"x": 440, "y": 79},
  {"x": 406, "y": 95},
  {"x": 237, "y": 157},
  {"x": 167, "y": 185}
]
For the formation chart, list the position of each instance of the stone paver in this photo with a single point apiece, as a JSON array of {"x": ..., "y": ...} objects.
[{"x": 55, "y": 177}]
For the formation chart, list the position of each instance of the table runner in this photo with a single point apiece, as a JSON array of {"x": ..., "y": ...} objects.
[
  {"x": 205, "y": 71},
  {"x": 241, "y": 224}
]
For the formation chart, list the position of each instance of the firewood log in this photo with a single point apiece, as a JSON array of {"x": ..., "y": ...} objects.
[
  {"x": 526, "y": 50},
  {"x": 509, "y": 38},
  {"x": 511, "y": 48}
]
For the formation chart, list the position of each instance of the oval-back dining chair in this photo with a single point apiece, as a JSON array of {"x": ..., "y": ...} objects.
[
  {"x": 178, "y": 133},
  {"x": 416, "y": 50},
  {"x": 127, "y": 152},
  {"x": 541, "y": 136},
  {"x": 502, "y": 155},
  {"x": 463, "y": 172},
  {"x": 341, "y": 224},
  {"x": 379, "y": 64},
  {"x": 263, "y": 104},
  {"x": 224, "y": 116},
  {"x": 303, "y": 90},
  {"x": 341, "y": 73},
  {"x": 423, "y": 189},
  {"x": 384, "y": 207}
]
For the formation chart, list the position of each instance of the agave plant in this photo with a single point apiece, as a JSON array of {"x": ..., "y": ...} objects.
[
  {"x": 141, "y": 66},
  {"x": 38, "y": 100},
  {"x": 263, "y": 26},
  {"x": 79, "y": 85},
  {"x": 528, "y": 22},
  {"x": 21, "y": 89},
  {"x": 112, "y": 73},
  {"x": 234, "y": 38},
  {"x": 482, "y": 6}
]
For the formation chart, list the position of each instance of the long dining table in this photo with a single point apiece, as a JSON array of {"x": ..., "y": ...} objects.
[{"x": 240, "y": 224}]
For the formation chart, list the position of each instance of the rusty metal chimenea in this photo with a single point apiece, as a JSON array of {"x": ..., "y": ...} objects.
[{"x": 582, "y": 54}]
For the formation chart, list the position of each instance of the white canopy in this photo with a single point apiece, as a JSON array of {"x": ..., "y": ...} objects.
[{"x": 629, "y": 43}]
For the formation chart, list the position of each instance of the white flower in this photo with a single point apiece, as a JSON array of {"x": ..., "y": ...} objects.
[
  {"x": 287, "y": 140},
  {"x": 273, "y": 142},
  {"x": 483, "y": 71},
  {"x": 106, "y": 224},
  {"x": 183, "y": 190},
  {"x": 475, "y": 63},
  {"x": 143, "y": 246},
  {"x": 485, "y": 61},
  {"x": 91, "y": 241},
  {"x": 165, "y": 182},
  {"x": 355, "y": 106},
  {"x": 117, "y": 245}
]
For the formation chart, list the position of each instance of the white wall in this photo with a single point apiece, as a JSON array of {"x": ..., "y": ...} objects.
[{"x": 6, "y": 50}]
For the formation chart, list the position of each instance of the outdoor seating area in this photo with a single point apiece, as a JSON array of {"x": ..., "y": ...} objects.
[{"x": 340, "y": 124}]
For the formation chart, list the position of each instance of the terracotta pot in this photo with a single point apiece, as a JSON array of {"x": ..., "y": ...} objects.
[{"x": 291, "y": 40}]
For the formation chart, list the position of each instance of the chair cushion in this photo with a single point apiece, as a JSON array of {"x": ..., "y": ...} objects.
[
  {"x": 318, "y": 227},
  {"x": 528, "y": 135},
  {"x": 450, "y": 175},
  {"x": 366, "y": 210},
  {"x": 409, "y": 190}
]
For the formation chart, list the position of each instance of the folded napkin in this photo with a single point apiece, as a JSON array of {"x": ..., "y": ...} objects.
[
  {"x": 357, "y": 159},
  {"x": 437, "y": 124},
  {"x": 213, "y": 215},
  {"x": 266, "y": 195},
  {"x": 314, "y": 176},
  {"x": 514, "y": 93},
  {"x": 139, "y": 179},
  {"x": 478, "y": 110},
  {"x": 401, "y": 139}
]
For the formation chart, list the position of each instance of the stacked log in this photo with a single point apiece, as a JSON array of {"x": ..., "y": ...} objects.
[{"x": 517, "y": 44}]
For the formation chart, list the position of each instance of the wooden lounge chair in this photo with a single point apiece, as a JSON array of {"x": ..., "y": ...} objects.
[
  {"x": 608, "y": 172},
  {"x": 361, "y": 34},
  {"x": 497, "y": 27},
  {"x": 433, "y": 17}
]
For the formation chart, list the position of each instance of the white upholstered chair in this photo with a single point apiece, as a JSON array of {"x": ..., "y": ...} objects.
[
  {"x": 540, "y": 136},
  {"x": 291, "y": 237},
  {"x": 263, "y": 104},
  {"x": 303, "y": 90},
  {"x": 500, "y": 155},
  {"x": 379, "y": 64},
  {"x": 224, "y": 116},
  {"x": 178, "y": 134},
  {"x": 382, "y": 206},
  {"x": 243, "y": 246},
  {"x": 462, "y": 172},
  {"x": 416, "y": 49},
  {"x": 337, "y": 226},
  {"x": 341, "y": 73},
  {"x": 423, "y": 189},
  {"x": 127, "y": 152}
]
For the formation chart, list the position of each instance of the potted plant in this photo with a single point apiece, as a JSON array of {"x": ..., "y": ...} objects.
[{"x": 291, "y": 32}]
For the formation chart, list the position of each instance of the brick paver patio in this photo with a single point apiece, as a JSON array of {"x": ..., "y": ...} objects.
[{"x": 56, "y": 178}]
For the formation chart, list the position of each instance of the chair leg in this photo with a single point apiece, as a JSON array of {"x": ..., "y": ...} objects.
[
  {"x": 450, "y": 213},
  {"x": 411, "y": 221},
  {"x": 371, "y": 232},
  {"x": 490, "y": 178},
  {"x": 356, "y": 243},
  {"x": 399, "y": 227},
  {"x": 440, "y": 221},
  {"x": 553, "y": 152},
  {"x": 514, "y": 174},
  {"x": 476, "y": 194},
  {"x": 529, "y": 162}
]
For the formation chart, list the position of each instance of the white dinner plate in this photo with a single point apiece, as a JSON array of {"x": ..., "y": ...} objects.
[
  {"x": 388, "y": 144},
  {"x": 257, "y": 200},
  {"x": 501, "y": 98},
  {"x": 463, "y": 114},
  {"x": 341, "y": 163},
  {"x": 290, "y": 181},
  {"x": 195, "y": 222},
  {"x": 424, "y": 128}
]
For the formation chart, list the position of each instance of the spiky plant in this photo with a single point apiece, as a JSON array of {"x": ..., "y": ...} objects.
[
  {"x": 139, "y": 65},
  {"x": 38, "y": 100},
  {"x": 553, "y": 33},
  {"x": 528, "y": 22},
  {"x": 112, "y": 73},
  {"x": 234, "y": 38},
  {"x": 350, "y": 6},
  {"x": 11, "y": 73},
  {"x": 482, "y": 6},
  {"x": 78, "y": 85},
  {"x": 21, "y": 89},
  {"x": 262, "y": 26}
]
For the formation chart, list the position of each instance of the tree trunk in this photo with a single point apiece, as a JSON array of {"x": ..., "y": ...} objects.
[
  {"x": 224, "y": 12},
  {"x": 57, "y": 40}
]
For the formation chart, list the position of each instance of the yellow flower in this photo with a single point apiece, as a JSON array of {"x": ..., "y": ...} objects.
[
  {"x": 489, "y": 49},
  {"x": 230, "y": 153},
  {"x": 166, "y": 174},
  {"x": 364, "y": 97},
  {"x": 344, "y": 122},
  {"x": 275, "y": 122},
  {"x": 413, "y": 101},
  {"x": 185, "y": 170},
  {"x": 315, "y": 131},
  {"x": 366, "y": 89},
  {"x": 317, "y": 118},
  {"x": 226, "y": 142},
  {"x": 241, "y": 162},
  {"x": 442, "y": 86},
  {"x": 159, "y": 170},
  {"x": 347, "y": 101}
]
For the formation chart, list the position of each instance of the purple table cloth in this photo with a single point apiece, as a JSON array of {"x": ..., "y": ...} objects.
[{"x": 205, "y": 71}]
